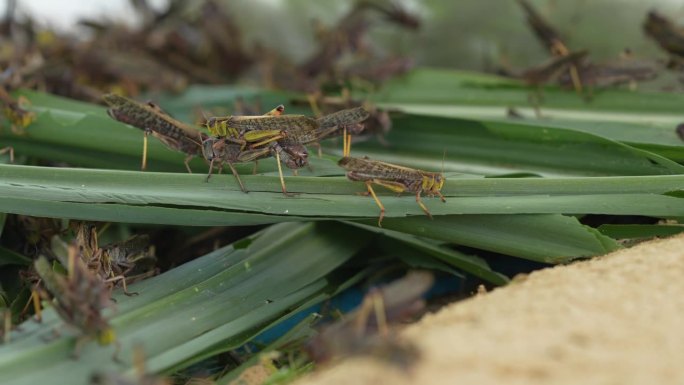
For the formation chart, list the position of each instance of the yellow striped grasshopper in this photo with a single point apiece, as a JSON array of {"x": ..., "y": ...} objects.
[
  {"x": 229, "y": 150},
  {"x": 175, "y": 134},
  {"x": 258, "y": 131},
  {"x": 395, "y": 178},
  {"x": 284, "y": 136}
]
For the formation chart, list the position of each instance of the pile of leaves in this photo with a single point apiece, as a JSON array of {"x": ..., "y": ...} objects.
[{"x": 213, "y": 274}]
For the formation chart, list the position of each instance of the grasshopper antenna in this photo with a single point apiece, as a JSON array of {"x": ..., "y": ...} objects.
[{"x": 443, "y": 158}]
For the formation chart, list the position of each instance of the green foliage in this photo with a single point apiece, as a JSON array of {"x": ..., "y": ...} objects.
[{"x": 513, "y": 189}]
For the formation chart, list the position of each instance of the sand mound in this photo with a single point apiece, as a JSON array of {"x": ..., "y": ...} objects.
[{"x": 617, "y": 319}]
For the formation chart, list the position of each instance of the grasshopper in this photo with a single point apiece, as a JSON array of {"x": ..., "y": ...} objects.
[
  {"x": 174, "y": 134},
  {"x": 396, "y": 178},
  {"x": 257, "y": 131},
  {"x": 283, "y": 135},
  {"x": 346, "y": 123},
  {"x": 127, "y": 261},
  {"x": 294, "y": 157},
  {"x": 366, "y": 329},
  {"x": 551, "y": 39},
  {"x": 227, "y": 145},
  {"x": 80, "y": 298}
]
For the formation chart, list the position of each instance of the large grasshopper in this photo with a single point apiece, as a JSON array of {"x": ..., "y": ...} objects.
[
  {"x": 175, "y": 134},
  {"x": 396, "y": 178},
  {"x": 282, "y": 136},
  {"x": 183, "y": 137},
  {"x": 286, "y": 130}
]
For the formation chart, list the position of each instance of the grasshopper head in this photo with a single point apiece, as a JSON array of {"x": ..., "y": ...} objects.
[
  {"x": 211, "y": 148},
  {"x": 106, "y": 336},
  {"x": 433, "y": 182},
  {"x": 298, "y": 156}
]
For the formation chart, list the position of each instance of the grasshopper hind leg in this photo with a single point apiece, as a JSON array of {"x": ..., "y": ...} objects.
[{"x": 377, "y": 201}]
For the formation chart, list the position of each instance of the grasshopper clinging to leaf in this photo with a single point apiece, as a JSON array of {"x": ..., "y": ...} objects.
[{"x": 395, "y": 178}]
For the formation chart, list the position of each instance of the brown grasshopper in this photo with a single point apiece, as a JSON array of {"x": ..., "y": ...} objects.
[
  {"x": 218, "y": 150},
  {"x": 127, "y": 261},
  {"x": 282, "y": 136},
  {"x": 395, "y": 178},
  {"x": 379, "y": 121},
  {"x": 612, "y": 74},
  {"x": 669, "y": 36},
  {"x": 551, "y": 39},
  {"x": 258, "y": 131},
  {"x": 79, "y": 299},
  {"x": 174, "y": 134},
  {"x": 232, "y": 150},
  {"x": 367, "y": 328}
]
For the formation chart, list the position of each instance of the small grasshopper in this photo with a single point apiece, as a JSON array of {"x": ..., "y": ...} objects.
[
  {"x": 15, "y": 111},
  {"x": 669, "y": 36},
  {"x": 126, "y": 261},
  {"x": 346, "y": 123},
  {"x": 548, "y": 36},
  {"x": 79, "y": 299},
  {"x": 396, "y": 178},
  {"x": 174, "y": 134},
  {"x": 378, "y": 121},
  {"x": 367, "y": 329}
]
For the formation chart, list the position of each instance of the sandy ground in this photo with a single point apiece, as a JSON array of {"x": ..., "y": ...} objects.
[{"x": 617, "y": 319}]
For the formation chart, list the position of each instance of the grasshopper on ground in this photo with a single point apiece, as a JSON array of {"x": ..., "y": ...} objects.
[
  {"x": 395, "y": 178},
  {"x": 174, "y": 134},
  {"x": 79, "y": 299}
]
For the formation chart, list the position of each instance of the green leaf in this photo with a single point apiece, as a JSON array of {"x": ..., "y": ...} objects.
[
  {"x": 542, "y": 238},
  {"x": 220, "y": 299},
  {"x": 467, "y": 263},
  {"x": 442, "y": 86},
  {"x": 640, "y": 231},
  {"x": 136, "y": 197},
  {"x": 10, "y": 257}
]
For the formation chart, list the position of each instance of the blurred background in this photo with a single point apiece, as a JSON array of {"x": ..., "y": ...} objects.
[{"x": 465, "y": 34}]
